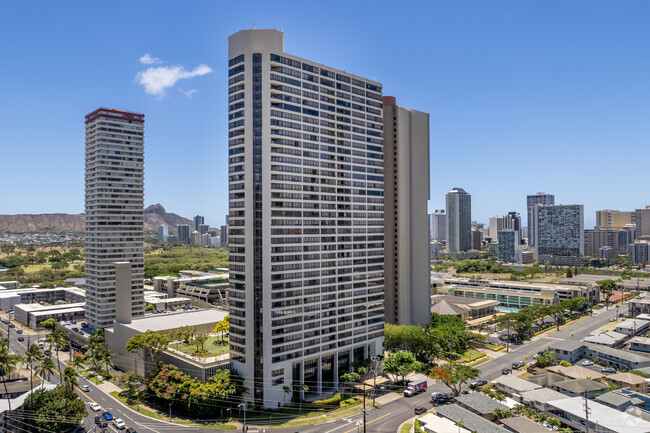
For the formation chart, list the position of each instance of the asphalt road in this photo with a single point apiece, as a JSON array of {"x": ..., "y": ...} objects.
[{"x": 384, "y": 419}]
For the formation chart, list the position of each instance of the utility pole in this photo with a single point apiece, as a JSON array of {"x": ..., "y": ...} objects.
[
  {"x": 508, "y": 339},
  {"x": 375, "y": 367},
  {"x": 170, "y": 411},
  {"x": 364, "y": 407},
  {"x": 243, "y": 429},
  {"x": 587, "y": 410}
]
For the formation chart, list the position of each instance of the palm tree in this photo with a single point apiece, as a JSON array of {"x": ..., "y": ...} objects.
[
  {"x": 79, "y": 363},
  {"x": 287, "y": 390},
  {"x": 58, "y": 338},
  {"x": 32, "y": 354},
  {"x": 8, "y": 363},
  {"x": 45, "y": 368},
  {"x": 70, "y": 377}
]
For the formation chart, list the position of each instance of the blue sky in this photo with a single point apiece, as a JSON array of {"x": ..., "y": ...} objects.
[{"x": 524, "y": 96}]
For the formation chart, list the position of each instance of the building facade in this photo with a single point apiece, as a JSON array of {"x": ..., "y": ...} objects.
[
  {"x": 198, "y": 220},
  {"x": 642, "y": 221},
  {"x": 608, "y": 218},
  {"x": 114, "y": 211},
  {"x": 163, "y": 233},
  {"x": 406, "y": 193},
  {"x": 184, "y": 233},
  {"x": 559, "y": 233},
  {"x": 459, "y": 220},
  {"x": 508, "y": 245},
  {"x": 306, "y": 218},
  {"x": 532, "y": 201},
  {"x": 439, "y": 225}
]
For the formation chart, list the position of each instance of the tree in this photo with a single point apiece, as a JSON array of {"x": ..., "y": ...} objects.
[
  {"x": 40, "y": 406},
  {"x": 58, "y": 339},
  {"x": 547, "y": 359},
  {"x": 70, "y": 377},
  {"x": 502, "y": 413},
  {"x": 153, "y": 343},
  {"x": 133, "y": 383},
  {"x": 554, "y": 422},
  {"x": 454, "y": 375},
  {"x": 287, "y": 391},
  {"x": 401, "y": 363},
  {"x": 200, "y": 340},
  {"x": 607, "y": 288},
  {"x": 44, "y": 368},
  {"x": 32, "y": 354},
  {"x": 149, "y": 307},
  {"x": 8, "y": 363}
]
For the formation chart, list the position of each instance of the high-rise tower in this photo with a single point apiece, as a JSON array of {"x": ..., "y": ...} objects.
[
  {"x": 406, "y": 229},
  {"x": 459, "y": 220},
  {"x": 532, "y": 201},
  {"x": 114, "y": 211},
  {"x": 306, "y": 218}
]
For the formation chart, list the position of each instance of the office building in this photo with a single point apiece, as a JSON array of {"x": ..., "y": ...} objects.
[
  {"x": 459, "y": 220},
  {"x": 439, "y": 225},
  {"x": 163, "y": 233},
  {"x": 203, "y": 228},
  {"x": 626, "y": 236},
  {"x": 406, "y": 193},
  {"x": 531, "y": 202},
  {"x": 508, "y": 245},
  {"x": 608, "y": 218},
  {"x": 642, "y": 221},
  {"x": 640, "y": 251},
  {"x": 559, "y": 234},
  {"x": 477, "y": 240},
  {"x": 114, "y": 211},
  {"x": 184, "y": 233},
  {"x": 198, "y": 220},
  {"x": 306, "y": 218}
]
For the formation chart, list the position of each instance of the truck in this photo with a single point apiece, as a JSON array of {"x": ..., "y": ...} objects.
[{"x": 415, "y": 388}]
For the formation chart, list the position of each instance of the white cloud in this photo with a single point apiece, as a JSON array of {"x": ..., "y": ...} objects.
[
  {"x": 188, "y": 93},
  {"x": 156, "y": 80},
  {"x": 147, "y": 59}
]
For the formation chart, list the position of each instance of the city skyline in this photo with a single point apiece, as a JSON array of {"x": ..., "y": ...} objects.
[{"x": 558, "y": 100}]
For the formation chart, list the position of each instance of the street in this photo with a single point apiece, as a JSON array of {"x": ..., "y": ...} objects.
[{"x": 384, "y": 419}]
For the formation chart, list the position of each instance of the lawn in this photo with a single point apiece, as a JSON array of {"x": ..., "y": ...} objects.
[
  {"x": 209, "y": 346},
  {"x": 480, "y": 361},
  {"x": 406, "y": 428},
  {"x": 470, "y": 354}
]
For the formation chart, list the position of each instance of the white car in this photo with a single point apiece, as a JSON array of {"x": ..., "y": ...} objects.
[
  {"x": 586, "y": 363},
  {"x": 95, "y": 407},
  {"x": 119, "y": 424},
  {"x": 85, "y": 388}
]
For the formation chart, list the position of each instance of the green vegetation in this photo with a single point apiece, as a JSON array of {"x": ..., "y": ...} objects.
[
  {"x": 639, "y": 373},
  {"x": 33, "y": 266},
  {"x": 58, "y": 410},
  {"x": 180, "y": 258},
  {"x": 401, "y": 364},
  {"x": 547, "y": 359},
  {"x": 473, "y": 266},
  {"x": 212, "y": 346},
  {"x": 406, "y": 428},
  {"x": 453, "y": 375}
]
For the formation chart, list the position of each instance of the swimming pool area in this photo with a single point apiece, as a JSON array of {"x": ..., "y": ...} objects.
[{"x": 507, "y": 309}]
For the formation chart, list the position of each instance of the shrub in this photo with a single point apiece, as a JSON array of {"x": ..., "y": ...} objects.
[
  {"x": 565, "y": 364},
  {"x": 348, "y": 402},
  {"x": 330, "y": 401}
]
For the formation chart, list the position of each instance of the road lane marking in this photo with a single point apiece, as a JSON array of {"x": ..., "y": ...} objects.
[{"x": 369, "y": 422}]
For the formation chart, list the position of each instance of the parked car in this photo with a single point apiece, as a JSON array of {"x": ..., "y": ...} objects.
[
  {"x": 21, "y": 338},
  {"x": 12, "y": 325},
  {"x": 440, "y": 398},
  {"x": 101, "y": 422},
  {"x": 107, "y": 416},
  {"x": 47, "y": 352},
  {"x": 95, "y": 407},
  {"x": 586, "y": 363},
  {"x": 613, "y": 319},
  {"x": 518, "y": 364},
  {"x": 130, "y": 430},
  {"x": 85, "y": 388},
  {"x": 19, "y": 331},
  {"x": 119, "y": 424},
  {"x": 477, "y": 383},
  {"x": 419, "y": 410},
  {"x": 505, "y": 371},
  {"x": 608, "y": 370}
]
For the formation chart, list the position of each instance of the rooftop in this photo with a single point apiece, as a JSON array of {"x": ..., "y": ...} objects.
[
  {"x": 542, "y": 395},
  {"x": 576, "y": 372},
  {"x": 471, "y": 420},
  {"x": 460, "y": 300},
  {"x": 606, "y": 337},
  {"x": 442, "y": 425},
  {"x": 580, "y": 386},
  {"x": 33, "y": 308},
  {"x": 628, "y": 378},
  {"x": 516, "y": 383},
  {"x": 599, "y": 414},
  {"x": 521, "y": 424},
  {"x": 445, "y": 308},
  {"x": 614, "y": 399},
  {"x": 585, "y": 279},
  {"x": 163, "y": 322},
  {"x": 632, "y": 324},
  {"x": 480, "y": 403}
]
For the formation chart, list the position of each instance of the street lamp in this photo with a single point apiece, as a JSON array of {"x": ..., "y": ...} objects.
[{"x": 244, "y": 406}]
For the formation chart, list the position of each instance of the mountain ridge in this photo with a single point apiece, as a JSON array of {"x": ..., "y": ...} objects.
[{"x": 154, "y": 215}]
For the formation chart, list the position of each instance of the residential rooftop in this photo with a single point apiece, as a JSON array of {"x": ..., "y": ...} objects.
[
  {"x": 480, "y": 403},
  {"x": 580, "y": 386},
  {"x": 470, "y": 419},
  {"x": 601, "y": 415},
  {"x": 520, "y": 385},
  {"x": 521, "y": 424},
  {"x": 576, "y": 372}
]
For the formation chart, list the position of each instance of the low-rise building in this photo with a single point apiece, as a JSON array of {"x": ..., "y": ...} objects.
[
  {"x": 641, "y": 344},
  {"x": 576, "y": 372},
  {"x": 547, "y": 379},
  {"x": 607, "y": 338},
  {"x": 572, "y": 351},
  {"x": 588, "y": 279},
  {"x": 512, "y": 385},
  {"x": 623, "y": 399},
  {"x": 431, "y": 423},
  {"x": 632, "y": 327},
  {"x": 538, "y": 398},
  {"x": 581, "y": 388},
  {"x": 639, "y": 306},
  {"x": 470, "y": 420},
  {"x": 33, "y": 314},
  {"x": 628, "y": 380},
  {"x": 480, "y": 404},
  {"x": 521, "y": 424},
  {"x": 601, "y": 418},
  {"x": 469, "y": 309},
  {"x": 9, "y": 298}
]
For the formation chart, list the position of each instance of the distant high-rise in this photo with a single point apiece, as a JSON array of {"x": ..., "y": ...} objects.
[
  {"x": 459, "y": 220},
  {"x": 559, "y": 236},
  {"x": 196, "y": 238},
  {"x": 114, "y": 212},
  {"x": 439, "y": 225},
  {"x": 184, "y": 233},
  {"x": 198, "y": 220},
  {"x": 477, "y": 239},
  {"x": 608, "y": 218},
  {"x": 163, "y": 233},
  {"x": 407, "y": 272},
  {"x": 640, "y": 251},
  {"x": 203, "y": 228},
  {"x": 508, "y": 245},
  {"x": 306, "y": 218},
  {"x": 532, "y": 201},
  {"x": 642, "y": 220},
  {"x": 224, "y": 234}
]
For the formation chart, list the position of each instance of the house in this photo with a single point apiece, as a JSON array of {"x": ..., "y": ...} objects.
[
  {"x": 431, "y": 423},
  {"x": 628, "y": 380},
  {"x": 571, "y": 411},
  {"x": 547, "y": 379},
  {"x": 620, "y": 401},
  {"x": 632, "y": 327},
  {"x": 572, "y": 351},
  {"x": 641, "y": 344},
  {"x": 581, "y": 388},
  {"x": 569, "y": 350},
  {"x": 512, "y": 385},
  {"x": 576, "y": 372},
  {"x": 538, "y": 398},
  {"x": 521, "y": 424},
  {"x": 470, "y": 420},
  {"x": 607, "y": 338},
  {"x": 480, "y": 404}
]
